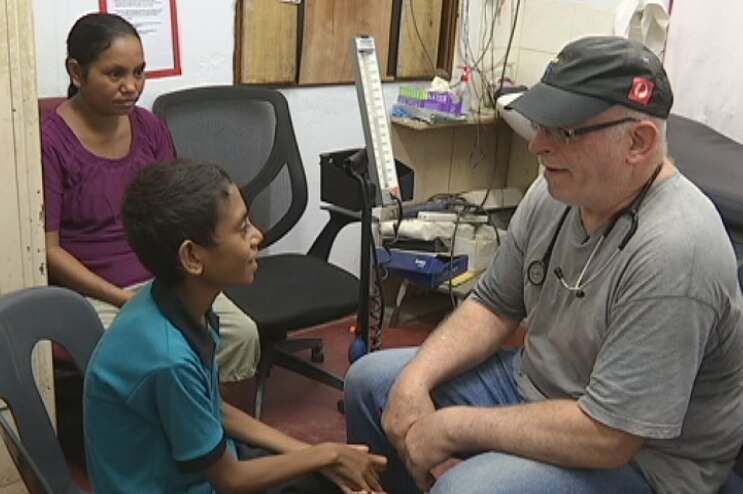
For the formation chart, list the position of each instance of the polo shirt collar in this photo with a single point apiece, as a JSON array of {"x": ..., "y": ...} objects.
[{"x": 173, "y": 308}]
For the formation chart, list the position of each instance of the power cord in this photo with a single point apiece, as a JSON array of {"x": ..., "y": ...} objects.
[{"x": 376, "y": 293}]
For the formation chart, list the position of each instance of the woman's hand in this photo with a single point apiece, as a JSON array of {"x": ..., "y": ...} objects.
[{"x": 124, "y": 296}]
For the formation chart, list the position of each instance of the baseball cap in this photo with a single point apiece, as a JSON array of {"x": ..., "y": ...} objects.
[{"x": 592, "y": 74}]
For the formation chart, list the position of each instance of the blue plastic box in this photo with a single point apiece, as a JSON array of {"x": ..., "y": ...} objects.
[{"x": 422, "y": 268}]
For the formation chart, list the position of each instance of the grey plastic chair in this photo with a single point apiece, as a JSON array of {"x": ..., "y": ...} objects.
[
  {"x": 27, "y": 317},
  {"x": 30, "y": 473}
]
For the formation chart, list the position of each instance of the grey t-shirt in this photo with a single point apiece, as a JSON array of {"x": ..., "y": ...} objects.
[{"x": 654, "y": 348}]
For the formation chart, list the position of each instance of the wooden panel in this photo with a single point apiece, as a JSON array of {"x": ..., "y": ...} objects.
[
  {"x": 458, "y": 158},
  {"x": 418, "y": 45},
  {"x": 523, "y": 166},
  {"x": 22, "y": 247},
  {"x": 448, "y": 40},
  {"x": 329, "y": 26},
  {"x": 475, "y": 161},
  {"x": 428, "y": 153},
  {"x": 268, "y": 44}
]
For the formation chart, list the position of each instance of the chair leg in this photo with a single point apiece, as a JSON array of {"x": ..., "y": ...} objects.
[
  {"x": 268, "y": 356},
  {"x": 300, "y": 366},
  {"x": 281, "y": 353},
  {"x": 401, "y": 292},
  {"x": 260, "y": 386},
  {"x": 294, "y": 345}
]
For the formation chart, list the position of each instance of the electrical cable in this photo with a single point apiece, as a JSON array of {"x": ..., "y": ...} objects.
[
  {"x": 508, "y": 50},
  {"x": 396, "y": 225},
  {"x": 449, "y": 285},
  {"x": 495, "y": 97},
  {"x": 376, "y": 294}
]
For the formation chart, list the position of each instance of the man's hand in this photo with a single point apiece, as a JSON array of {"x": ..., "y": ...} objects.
[
  {"x": 408, "y": 401},
  {"x": 428, "y": 445}
]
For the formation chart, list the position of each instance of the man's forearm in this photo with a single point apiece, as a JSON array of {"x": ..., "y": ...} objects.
[
  {"x": 470, "y": 335},
  {"x": 552, "y": 431}
]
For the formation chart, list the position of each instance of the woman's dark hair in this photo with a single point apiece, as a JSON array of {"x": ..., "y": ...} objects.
[
  {"x": 170, "y": 203},
  {"x": 91, "y": 35}
]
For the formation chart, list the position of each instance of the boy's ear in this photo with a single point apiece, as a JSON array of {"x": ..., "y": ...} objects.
[{"x": 189, "y": 255}]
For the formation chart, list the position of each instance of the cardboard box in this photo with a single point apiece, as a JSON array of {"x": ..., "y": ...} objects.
[
  {"x": 479, "y": 251},
  {"x": 431, "y": 100},
  {"x": 423, "y": 268}
]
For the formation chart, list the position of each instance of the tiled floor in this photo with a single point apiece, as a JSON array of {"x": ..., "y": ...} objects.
[{"x": 307, "y": 409}]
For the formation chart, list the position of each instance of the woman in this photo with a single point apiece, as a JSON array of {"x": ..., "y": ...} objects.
[{"x": 93, "y": 146}]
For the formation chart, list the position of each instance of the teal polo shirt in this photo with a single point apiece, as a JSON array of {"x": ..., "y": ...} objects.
[{"x": 152, "y": 410}]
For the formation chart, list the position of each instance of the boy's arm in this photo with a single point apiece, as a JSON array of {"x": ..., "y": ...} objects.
[
  {"x": 229, "y": 475},
  {"x": 352, "y": 468},
  {"x": 244, "y": 428}
]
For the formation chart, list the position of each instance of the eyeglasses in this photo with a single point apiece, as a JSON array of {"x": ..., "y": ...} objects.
[{"x": 566, "y": 135}]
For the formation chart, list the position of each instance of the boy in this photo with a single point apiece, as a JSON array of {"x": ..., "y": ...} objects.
[{"x": 154, "y": 420}]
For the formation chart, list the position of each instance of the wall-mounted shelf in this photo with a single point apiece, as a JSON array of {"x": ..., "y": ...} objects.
[{"x": 487, "y": 117}]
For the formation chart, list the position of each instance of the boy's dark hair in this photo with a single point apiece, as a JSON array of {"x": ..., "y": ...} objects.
[
  {"x": 91, "y": 35},
  {"x": 170, "y": 203}
]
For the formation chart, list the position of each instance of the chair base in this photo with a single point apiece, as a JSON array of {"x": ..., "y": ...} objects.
[{"x": 282, "y": 353}]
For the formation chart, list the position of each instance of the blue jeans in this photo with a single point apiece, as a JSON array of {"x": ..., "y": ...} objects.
[{"x": 490, "y": 384}]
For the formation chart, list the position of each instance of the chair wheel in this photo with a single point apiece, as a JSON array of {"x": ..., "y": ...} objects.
[{"x": 318, "y": 355}]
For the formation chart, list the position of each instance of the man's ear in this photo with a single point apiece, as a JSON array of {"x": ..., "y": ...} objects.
[
  {"x": 76, "y": 72},
  {"x": 190, "y": 256},
  {"x": 645, "y": 137}
]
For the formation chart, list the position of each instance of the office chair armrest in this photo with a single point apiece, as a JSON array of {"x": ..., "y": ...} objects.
[{"x": 338, "y": 219}]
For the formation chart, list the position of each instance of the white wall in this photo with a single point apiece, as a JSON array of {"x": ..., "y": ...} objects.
[
  {"x": 705, "y": 66},
  {"x": 325, "y": 118},
  {"x": 206, "y": 41},
  {"x": 543, "y": 28}
]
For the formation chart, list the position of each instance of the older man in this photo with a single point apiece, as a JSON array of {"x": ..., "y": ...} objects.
[{"x": 630, "y": 378}]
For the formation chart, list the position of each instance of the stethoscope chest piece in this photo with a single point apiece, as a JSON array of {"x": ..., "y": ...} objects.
[{"x": 536, "y": 272}]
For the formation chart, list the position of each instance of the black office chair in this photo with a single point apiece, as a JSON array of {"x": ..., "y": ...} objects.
[
  {"x": 27, "y": 317},
  {"x": 249, "y": 131}
]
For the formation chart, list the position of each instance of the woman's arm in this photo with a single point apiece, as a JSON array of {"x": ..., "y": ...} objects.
[{"x": 66, "y": 270}]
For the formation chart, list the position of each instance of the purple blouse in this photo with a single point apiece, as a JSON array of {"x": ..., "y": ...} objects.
[{"x": 83, "y": 193}]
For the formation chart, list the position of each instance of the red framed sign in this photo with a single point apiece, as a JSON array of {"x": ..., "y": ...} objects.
[{"x": 157, "y": 24}]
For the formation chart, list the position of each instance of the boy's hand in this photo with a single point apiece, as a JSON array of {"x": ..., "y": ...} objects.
[{"x": 355, "y": 469}]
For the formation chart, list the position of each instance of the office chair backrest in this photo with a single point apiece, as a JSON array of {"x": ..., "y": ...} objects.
[
  {"x": 249, "y": 131},
  {"x": 27, "y": 317}
]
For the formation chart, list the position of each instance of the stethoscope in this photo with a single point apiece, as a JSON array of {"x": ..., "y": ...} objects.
[{"x": 536, "y": 271}]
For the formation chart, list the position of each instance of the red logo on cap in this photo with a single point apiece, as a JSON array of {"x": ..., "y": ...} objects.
[{"x": 642, "y": 90}]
